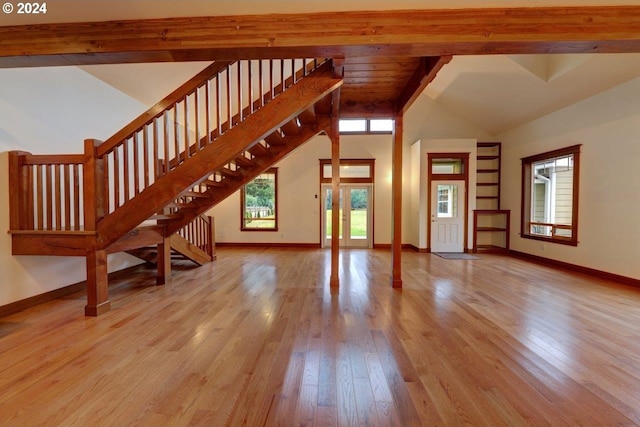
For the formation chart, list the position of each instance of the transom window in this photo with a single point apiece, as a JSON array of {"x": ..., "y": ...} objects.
[
  {"x": 363, "y": 126},
  {"x": 351, "y": 170},
  {"x": 259, "y": 203},
  {"x": 550, "y": 196}
]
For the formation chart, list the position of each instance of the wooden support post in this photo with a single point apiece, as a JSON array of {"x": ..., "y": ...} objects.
[
  {"x": 19, "y": 192},
  {"x": 212, "y": 238},
  {"x": 335, "y": 203},
  {"x": 97, "y": 283},
  {"x": 96, "y": 258},
  {"x": 164, "y": 261},
  {"x": 396, "y": 239}
]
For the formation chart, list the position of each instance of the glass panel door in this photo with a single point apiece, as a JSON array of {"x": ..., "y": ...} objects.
[{"x": 356, "y": 222}]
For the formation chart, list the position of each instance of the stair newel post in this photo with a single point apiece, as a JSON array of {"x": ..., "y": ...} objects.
[
  {"x": 163, "y": 262},
  {"x": 20, "y": 194},
  {"x": 94, "y": 210},
  {"x": 212, "y": 238}
]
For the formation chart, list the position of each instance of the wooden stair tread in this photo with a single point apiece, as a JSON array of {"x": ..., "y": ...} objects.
[
  {"x": 487, "y": 170},
  {"x": 243, "y": 161},
  {"x": 274, "y": 139},
  {"x": 487, "y": 197},
  {"x": 165, "y": 216},
  {"x": 488, "y": 157},
  {"x": 230, "y": 173},
  {"x": 195, "y": 194},
  {"x": 212, "y": 183},
  {"x": 259, "y": 150}
]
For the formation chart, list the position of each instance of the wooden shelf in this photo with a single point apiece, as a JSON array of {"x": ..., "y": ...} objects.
[
  {"x": 491, "y": 229},
  {"x": 501, "y": 215},
  {"x": 488, "y": 156},
  {"x": 490, "y": 249}
]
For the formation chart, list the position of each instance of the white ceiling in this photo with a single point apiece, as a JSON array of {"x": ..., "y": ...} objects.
[{"x": 495, "y": 92}]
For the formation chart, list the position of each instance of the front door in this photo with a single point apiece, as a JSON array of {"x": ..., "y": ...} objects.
[
  {"x": 356, "y": 222},
  {"x": 447, "y": 216}
]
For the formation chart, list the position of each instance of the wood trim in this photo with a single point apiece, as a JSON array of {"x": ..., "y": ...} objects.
[
  {"x": 267, "y": 245},
  {"x": 525, "y": 192},
  {"x": 387, "y": 246},
  {"x": 582, "y": 29},
  {"x": 35, "y": 300},
  {"x": 577, "y": 268},
  {"x": 424, "y": 74},
  {"x": 348, "y": 162},
  {"x": 273, "y": 171}
]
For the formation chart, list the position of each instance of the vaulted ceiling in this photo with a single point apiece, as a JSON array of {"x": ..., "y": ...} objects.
[{"x": 494, "y": 91}]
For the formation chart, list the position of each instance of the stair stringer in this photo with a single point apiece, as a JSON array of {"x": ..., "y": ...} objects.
[
  {"x": 179, "y": 245},
  {"x": 283, "y": 108},
  {"x": 217, "y": 195}
]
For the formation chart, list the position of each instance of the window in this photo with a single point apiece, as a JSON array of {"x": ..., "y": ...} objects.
[
  {"x": 351, "y": 170},
  {"x": 447, "y": 166},
  {"x": 550, "y": 196},
  {"x": 259, "y": 203},
  {"x": 362, "y": 126},
  {"x": 447, "y": 201}
]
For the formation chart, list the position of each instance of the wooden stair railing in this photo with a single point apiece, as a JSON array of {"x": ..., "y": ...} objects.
[
  {"x": 174, "y": 162},
  {"x": 195, "y": 242},
  {"x": 211, "y": 161},
  {"x": 186, "y": 121}
]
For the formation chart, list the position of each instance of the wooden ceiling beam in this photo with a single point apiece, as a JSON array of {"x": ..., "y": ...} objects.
[
  {"x": 380, "y": 33},
  {"x": 424, "y": 74}
]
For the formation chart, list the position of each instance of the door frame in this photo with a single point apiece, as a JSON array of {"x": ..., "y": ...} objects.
[
  {"x": 344, "y": 187},
  {"x": 464, "y": 176},
  {"x": 433, "y": 201}
]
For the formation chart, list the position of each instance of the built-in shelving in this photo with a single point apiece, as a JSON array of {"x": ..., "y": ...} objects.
[
  {"x": 491, "y": 230},
  {"x": 490, "y": 223}
]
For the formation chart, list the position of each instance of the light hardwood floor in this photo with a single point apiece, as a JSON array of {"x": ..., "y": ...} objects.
[{"x": 258, "y": 338}]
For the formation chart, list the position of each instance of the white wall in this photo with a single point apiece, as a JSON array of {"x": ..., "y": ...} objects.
[
  {"x": 298, "y": 179},
  {"x": 299, "y": 193},
  {"x": 47, "y": 111},
  {"x": 608, "y": 127}
]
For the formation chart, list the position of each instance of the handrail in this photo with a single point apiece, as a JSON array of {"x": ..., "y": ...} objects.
[
  {"x": 45, "y": 192},
  {"x": 190, "y": 118},
  {"x": 158, "y": 109}
]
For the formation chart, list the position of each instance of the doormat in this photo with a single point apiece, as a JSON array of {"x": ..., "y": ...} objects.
[{"x": 452, "y": 255}]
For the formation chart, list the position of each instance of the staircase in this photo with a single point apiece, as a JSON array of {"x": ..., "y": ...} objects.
[
  {"x": 195, "y": 242},
  {"x": 490, "y": 223},
  {"x": 169, "y": 166}
]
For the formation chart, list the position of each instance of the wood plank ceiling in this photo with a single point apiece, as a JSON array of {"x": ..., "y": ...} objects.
[{"x": 388, "y": 57}]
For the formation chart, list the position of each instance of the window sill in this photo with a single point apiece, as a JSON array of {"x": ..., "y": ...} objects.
[{"x": 550, "y": 240}]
